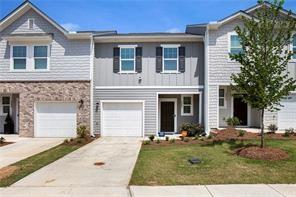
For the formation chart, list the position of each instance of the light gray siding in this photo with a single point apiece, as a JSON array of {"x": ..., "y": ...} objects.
[
  {"x": 193, "y": 75},
  {"x": 149, "y": 95},
  {"x": 69, "y": 59}
]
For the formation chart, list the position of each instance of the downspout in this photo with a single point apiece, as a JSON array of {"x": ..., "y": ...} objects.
[
  {"x": 206, "y": 81},
  {"x": 91, "y": 84}
]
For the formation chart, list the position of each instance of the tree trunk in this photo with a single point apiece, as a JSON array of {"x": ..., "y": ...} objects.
[{"x": 262, "y": 129}]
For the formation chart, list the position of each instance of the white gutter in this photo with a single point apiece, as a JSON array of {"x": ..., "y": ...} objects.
[
  {"x": 91, "y": 67},
  {"x": 206, "y": 85}
]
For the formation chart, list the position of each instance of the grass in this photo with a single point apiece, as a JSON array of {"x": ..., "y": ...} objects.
[
  {"x": 35, "y": 162},
  {"x": 168, "y": 165}
]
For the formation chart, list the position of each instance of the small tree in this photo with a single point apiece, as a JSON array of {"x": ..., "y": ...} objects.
[{"x": 265, "y": 37}]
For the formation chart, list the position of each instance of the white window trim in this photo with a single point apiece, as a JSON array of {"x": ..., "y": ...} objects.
[
  {"x": 1, "y": 105},
  {"x": 29, "y": 23},
  {"x": 191, "y": 105},
  {"x": 229, "y": 40},
  {"x": 177, "y": 59},
  {"x": 224, "y": 97},
  {"x": 134, "y": 59},
  {"x": 30, "y": 59}
]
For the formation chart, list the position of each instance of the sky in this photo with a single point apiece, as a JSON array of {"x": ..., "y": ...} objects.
[{"x": 128, "y": 16}]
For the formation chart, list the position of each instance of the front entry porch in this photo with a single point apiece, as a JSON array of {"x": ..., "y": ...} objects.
[
  {"x": 176, "y": 109},
  {"x": 9, "y": 113},
  {"x": 231, "y": 105}
]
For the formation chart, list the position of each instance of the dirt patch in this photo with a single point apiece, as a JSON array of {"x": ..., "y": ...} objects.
[
  {"x": 7, "y": 171},
  {"x": 99, "y": 163},
  {"x": 5, "y": 143},
  {"x": 267, "y": 153}
]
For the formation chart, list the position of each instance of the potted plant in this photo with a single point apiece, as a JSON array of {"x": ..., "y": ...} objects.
[{"x": 191, "y": 129}]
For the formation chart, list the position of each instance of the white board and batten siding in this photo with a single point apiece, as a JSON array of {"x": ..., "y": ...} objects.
[
  {"x": 55, "y": 119},
  {"x": 122, "y": 118}
]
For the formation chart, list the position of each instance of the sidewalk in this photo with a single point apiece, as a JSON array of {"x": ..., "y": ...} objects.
[{"x": 258, "y": 190}]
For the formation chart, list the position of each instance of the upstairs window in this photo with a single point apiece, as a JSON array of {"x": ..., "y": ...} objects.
[
  {"x": 127, "y": 59},
  {"x": 170, "y": 59},
  {"x": 40, "y": 57},
  {"x": 222, "y": 98},
  {"x": 19, "y": 54},
  {"x": 294, "y": 47},
  {"x": 187, "y": 105},
  {"x": 235, "y": 45},
  {"x": 30, "y": 23}
]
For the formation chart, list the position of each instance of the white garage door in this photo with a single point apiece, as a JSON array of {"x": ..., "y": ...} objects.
[
  {"x": 287, "y": 114},
  {"x": 55, "y": 119},
  {"x": 122, "y": 119}
]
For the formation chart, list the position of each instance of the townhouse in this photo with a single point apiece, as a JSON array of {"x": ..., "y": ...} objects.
[{"x": 137, "y": 84}]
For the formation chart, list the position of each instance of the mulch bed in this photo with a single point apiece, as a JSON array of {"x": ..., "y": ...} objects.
[
  {"x": 267, "y": 153},
  {"x": 231, "y": 133},
  {"x": 5, "y": 143}
]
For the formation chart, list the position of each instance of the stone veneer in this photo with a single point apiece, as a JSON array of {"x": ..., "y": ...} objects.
[{"x": 31, "y": 92}]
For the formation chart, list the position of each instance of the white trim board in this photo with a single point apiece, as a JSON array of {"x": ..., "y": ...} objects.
[{"x": 149, "y": 87}]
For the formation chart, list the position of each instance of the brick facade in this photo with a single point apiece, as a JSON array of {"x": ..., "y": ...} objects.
[{"x": 31, "y": 92}]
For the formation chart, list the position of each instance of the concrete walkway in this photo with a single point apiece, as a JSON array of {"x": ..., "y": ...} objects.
[
  {"x": 76, "y": 174},
  {"x": 258, "y": 190},
  {"x": 24, "y": 147}
]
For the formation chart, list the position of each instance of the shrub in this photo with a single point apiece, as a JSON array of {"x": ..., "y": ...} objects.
[
  {"x": 288, "y": 132},
  {"x": 167, "y": 138},
  {"x": 2, "y": 140},
  {"x": 232, "y": 121},
  {"x": 82, "y": 131},
  {"x": 182, "y": 138},
  {"x": 272, "y": 128},
  {"x": 192, "y": 129},
  {"x": 186, "y": 139},
  {"x": 71, "y": 139},
  {"x": 66, "y": 141},
  {"x": 151, "y": 138},
  {"x": 158, "y": 141},
  {"x": 172, "y": 140},
  {"x": 241, "y": 133},
  {"x": 210, "y": 136},
  {"x": 147, "y": 142}
]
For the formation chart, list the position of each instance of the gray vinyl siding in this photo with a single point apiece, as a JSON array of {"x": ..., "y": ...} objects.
[
  {"x": 193, "y": 75},
  {"x": 69, "y": 59},
  {"x": 149, "y": 95}
]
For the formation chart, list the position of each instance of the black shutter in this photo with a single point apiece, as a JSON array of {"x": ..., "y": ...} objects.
[
  {"x": 115, "y": 59},
  {"x": 158, "y": 59},
  {"x": 139, "y": 59},
  {"x": 181, "y": 59}
]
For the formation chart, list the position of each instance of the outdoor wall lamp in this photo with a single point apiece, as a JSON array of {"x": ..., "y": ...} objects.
[
  {"x": 81, "y": 103},
  {"x": 97, "y": 107}
]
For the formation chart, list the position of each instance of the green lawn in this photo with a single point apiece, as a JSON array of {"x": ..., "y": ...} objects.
[
  {"x": 35, "y": 162},
  {"x": 168, "y": 165}
]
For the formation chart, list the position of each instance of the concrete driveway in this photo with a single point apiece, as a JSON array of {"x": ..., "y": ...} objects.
[
  {"x": 24, "y": 147},
  {"x": 76, "y": 174}
]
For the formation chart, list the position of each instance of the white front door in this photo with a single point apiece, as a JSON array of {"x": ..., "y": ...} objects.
[
  {"x": 55, "y": 119},
  {"x": 287, "y": 114},
  {"x": 122, "y": 119}
]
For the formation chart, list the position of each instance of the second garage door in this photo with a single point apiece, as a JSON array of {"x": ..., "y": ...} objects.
[
  {"x": 55, "y": 119},
  {"x": 122, "y": 119},
  {"x": 287, "y": 114}
]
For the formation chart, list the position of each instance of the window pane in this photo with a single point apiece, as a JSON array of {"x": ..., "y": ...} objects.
[
  {"x": 221, "y": 92},
  {"x": 127, "y": 53},
  {"x": 40, "y": 63},
  {"x": 187, "y": 100},
  {"x": 170, "y": 65},
  {"x": 235, "y": 41},
  {"x": 170, "y": 53},
  {"x": 5, "y": 100},
  {"x": 187, "y": 109},
  {"x": 221, "y": 102},
  {"x": 6, "y": 109},
  {"x": 235, "y": 51},
  {"x": 294, "y": 40},
  {"x": 40, "y": 51},
  {"x": 19, "y": 63},
  {"x": 127, "y": 65},
  {"x": 19, "y": 51}
]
